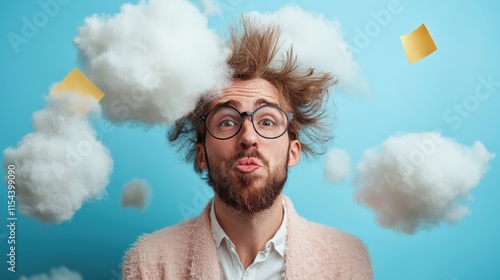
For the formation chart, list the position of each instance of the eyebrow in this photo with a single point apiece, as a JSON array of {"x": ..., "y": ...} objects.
[
  {"x": 230, "y": 102},
  {"x": 264, "y": 101},
  {"x": 235, "y": 103}
]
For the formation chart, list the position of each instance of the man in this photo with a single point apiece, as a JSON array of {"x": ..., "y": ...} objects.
[{"x": 245, "y": 141}]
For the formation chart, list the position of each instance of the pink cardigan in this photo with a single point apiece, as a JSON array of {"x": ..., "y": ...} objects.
[{"x": 187, "y": 251}]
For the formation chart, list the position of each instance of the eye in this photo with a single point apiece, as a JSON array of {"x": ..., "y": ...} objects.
[
  {"x": 266, "y": 122},
  {"x": 227, "y": 123}
]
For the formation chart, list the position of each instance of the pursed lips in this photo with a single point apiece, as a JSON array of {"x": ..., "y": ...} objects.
[{"x": 247, "y": 165}]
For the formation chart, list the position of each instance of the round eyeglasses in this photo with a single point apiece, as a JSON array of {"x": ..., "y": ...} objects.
[{"x": 224, "y": 122}]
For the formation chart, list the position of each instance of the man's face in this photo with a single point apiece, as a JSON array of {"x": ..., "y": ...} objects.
[{"x": 248, "y": 171}]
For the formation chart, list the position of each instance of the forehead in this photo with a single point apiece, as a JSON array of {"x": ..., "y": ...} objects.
[{"x": 249, "y": 93}]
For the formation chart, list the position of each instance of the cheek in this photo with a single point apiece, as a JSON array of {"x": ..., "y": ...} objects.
[
  {"x": 278, "y": 153},
  {"x": 219, "y": 150}
]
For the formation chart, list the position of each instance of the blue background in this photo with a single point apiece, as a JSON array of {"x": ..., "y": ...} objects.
[{"x": 404, "y": 97}]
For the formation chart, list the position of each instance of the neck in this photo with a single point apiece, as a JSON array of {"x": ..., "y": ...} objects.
[{"x": 249, "y": 232}]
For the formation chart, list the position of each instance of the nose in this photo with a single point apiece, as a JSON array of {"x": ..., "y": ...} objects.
[{"x": 247, "y": 136}]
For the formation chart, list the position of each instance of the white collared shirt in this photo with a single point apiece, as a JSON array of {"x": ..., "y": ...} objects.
[{"x": 268, "y": 264}]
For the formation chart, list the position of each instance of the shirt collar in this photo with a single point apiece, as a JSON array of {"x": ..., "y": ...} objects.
[
  {"x": 217, "y": 232},
  {"x": 278, "y": 240}
]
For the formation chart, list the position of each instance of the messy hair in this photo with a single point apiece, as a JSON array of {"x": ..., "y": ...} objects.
[{"x": 254, "y": 51}]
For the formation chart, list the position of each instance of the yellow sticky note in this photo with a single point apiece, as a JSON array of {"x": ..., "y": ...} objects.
[
  {"x": 418, "y": 44},
  {"x": 77, "y": 82}
]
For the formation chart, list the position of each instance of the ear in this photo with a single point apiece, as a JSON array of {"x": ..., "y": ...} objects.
[
  {"x": 201, "y": 157},
  {"x": 294, "y": 153}
]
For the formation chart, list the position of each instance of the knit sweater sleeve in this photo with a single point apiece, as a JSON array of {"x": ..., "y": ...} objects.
[
  {"x": 358, "y": 260},
  {"x": 349, "y": 254},
  {"x": 160, "y": 255},
  {"x": 315, "y": 251},
  {"x": 139, "y": 264}
]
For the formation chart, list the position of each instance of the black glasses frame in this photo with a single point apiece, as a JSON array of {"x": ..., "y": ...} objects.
[{"x": 289, "y": 117}]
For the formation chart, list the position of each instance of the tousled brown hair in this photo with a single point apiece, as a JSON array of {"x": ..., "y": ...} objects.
[{"x": 254, "y": 50}]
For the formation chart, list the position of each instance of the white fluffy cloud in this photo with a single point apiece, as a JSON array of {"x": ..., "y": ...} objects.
[
  {"x": 61, "y": 273},
  {"x": 318, "y": 43},
  {"x": 418, "y": 180},
  {"x": 136, "y": 193},
  {"x": 153, "y": 60},
  {"x": 337, "y": 166},
  {"x": 210, "y": 7},
  {"x": 61, "y": 164}
]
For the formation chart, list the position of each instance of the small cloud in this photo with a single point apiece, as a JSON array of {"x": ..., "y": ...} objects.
[
  {"x": 210, "y": 7},
  {"x": 153, "y": 60},
  {"x": 136, "y": 193},
  {"x": 318, "y": 43},
  {"x": 61, "y": 273},
  {"x": 61, "y": 165},
  {"x": 416, "y": 181},
  {"x": 337, "y": 166}
]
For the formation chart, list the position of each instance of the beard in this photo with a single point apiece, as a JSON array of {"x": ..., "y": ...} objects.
[{"x": 235, "y": 189}]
